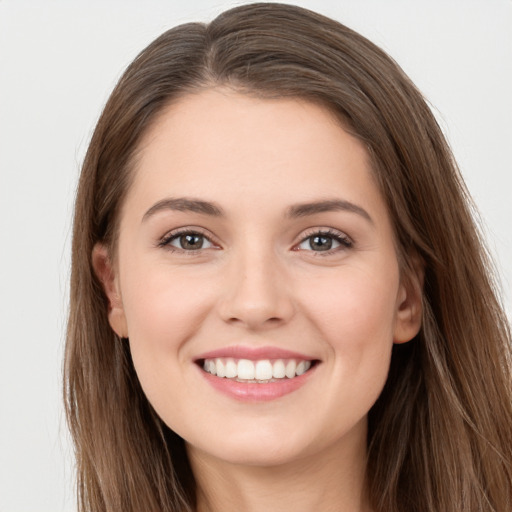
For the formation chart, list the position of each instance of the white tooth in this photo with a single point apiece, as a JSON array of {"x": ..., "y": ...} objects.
[
  {"x": 301, "y": 368},
  {"x": 212, "y": 367},
  {"x": 263, "y": 370},
  {"x": 308, "y": 365},
  {"x": 245, "y": 369},
  {"x": 290, "y": 369},
  {"x": 221, "y": 369},
  {"x": 231, "y": 370},
  {"x": 278, "y": 369}
]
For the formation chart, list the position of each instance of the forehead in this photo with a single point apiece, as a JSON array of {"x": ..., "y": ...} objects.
[{"x": 241, "y": 143}]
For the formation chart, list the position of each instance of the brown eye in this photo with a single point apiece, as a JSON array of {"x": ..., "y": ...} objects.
[
  {"x": 189, "y": 241},
  {"x": 324, "y": 242},
  {"x": 320, "y": 243}
]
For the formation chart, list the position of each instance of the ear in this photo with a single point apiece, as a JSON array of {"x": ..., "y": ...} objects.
[
  {"x": 104, "y": 270},
  {"x": 409, "y": 304}
]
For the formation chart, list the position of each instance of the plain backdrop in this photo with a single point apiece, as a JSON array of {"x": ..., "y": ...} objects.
[{"x": 58, "y": 62}]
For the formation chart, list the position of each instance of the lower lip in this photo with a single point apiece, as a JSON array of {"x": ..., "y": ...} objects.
[{"x": 252, "y": 392}]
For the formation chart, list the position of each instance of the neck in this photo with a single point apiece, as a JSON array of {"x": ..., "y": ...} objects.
[{"x": 330, "y": 481}]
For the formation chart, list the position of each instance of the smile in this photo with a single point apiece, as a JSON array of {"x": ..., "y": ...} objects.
[
  {"x": 256, "y": 374},
  {"x": 261, "y": 371}
]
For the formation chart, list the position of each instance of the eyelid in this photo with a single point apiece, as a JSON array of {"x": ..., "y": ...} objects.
[
  {"x": 342, "y": 238},
  {"x": 164, "y": 241}
]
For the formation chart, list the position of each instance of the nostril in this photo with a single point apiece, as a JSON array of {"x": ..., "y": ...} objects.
[{"x": 255, "y": 301}]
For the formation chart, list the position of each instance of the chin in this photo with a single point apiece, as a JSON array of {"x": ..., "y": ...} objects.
[
  {"x": 262, "y": 445},
  {"x": 262, "y": 454}
]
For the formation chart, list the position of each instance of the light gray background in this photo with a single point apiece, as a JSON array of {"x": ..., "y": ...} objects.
[{"x": 58, "y": 62}]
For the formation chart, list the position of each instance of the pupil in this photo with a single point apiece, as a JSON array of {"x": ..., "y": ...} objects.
[
  {"x": 321, "y": 243},
  {"x": 191, "y": 241}
]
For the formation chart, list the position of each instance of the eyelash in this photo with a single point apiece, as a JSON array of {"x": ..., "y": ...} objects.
[
  {"x": 165, "y": 242},
  {"x": 344, "y": 241},
  {"x": 339, "y": 237}
]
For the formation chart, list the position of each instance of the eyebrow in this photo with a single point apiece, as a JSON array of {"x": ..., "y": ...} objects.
[
  {"x": 186, "y": 204},
  {"x": 329, "y": 205}
]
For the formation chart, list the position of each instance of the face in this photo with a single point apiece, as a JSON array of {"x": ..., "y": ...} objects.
[{"x": 256, "y": 278}]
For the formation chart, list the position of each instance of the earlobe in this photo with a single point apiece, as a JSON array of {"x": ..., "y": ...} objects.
[
  {"x": 409, "y": 305},
  {"x": 105, "y": 272}
]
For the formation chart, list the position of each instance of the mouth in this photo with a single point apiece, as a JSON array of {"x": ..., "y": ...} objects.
[
  {"x": 260, "y": 371},
  {"x": 251, "y": 374}
]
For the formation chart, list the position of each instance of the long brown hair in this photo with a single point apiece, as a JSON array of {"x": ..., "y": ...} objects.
[{"x": 440, "y": 435}]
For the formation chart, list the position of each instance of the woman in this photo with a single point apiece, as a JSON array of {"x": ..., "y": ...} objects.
[{"x": 279, "y": 299}]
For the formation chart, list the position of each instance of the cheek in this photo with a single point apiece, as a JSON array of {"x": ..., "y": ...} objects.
[
  {"x": 163, "y": 314},
  {"x": 354, "y": 308},
  {"x": 157, "y": 297},
  {"x": 354, "y": 313},
  {"x": 355, "y": 316},
  {"x": 163, "y": 311}
]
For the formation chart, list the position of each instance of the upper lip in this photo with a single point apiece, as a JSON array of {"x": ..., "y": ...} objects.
[{"x": 254, "y": 353}]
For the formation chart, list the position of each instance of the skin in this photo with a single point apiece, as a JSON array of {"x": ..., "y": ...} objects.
[{"x": 258, "y": 281}]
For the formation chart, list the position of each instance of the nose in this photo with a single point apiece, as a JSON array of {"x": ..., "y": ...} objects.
[{"x": 256, "y": 293}]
